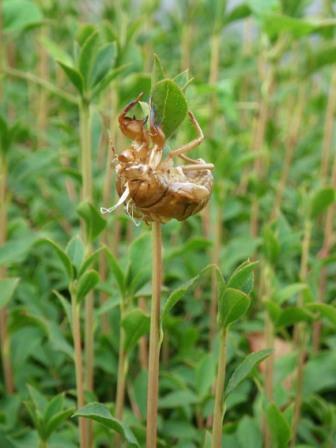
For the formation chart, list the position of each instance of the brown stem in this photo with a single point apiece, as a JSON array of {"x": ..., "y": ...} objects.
[
  {"x": 328, "y": 127},
  {"x": 290, "y": 144},
  {"x": 325, "y": 251},
  {"x": 219, "y": 391},
  {"x": 154, "y": 340},
  {"x": 300, "y": 334},
  {"x": 267, "y": 76},
  {"x": 42, "y": 99}
]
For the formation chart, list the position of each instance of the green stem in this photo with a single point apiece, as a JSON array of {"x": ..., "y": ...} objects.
[
  {"x": 121, "y": 381},
  {"x": 86, "y": 170},
  {"x": 43, "y": 444},
  {"x": 76, "y": 334},
  {"x": 42, "y": 82},
  {"x": 4, "y": 335},
  {"x": 154, "y": 340},
  {"x": 217, "y": 231},
  {"x": 300, "y": 335},
  {"x": 219, "y": 410}
]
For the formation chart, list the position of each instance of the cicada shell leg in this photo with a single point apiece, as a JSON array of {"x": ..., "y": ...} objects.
[{"x": 191, "y": 145}]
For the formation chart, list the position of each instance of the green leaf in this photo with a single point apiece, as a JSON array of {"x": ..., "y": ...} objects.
[
  {"x": 275, "y": 24},
  {"x": 57, "y": 420},
  {"x": 7, "y": 288},
  {"x": 20, "y": 14},
  {"x": 103, "y": 84},
  {"x": 5, "y": 442},
  {"x": 54, "y": 406},
  {"x": 73, "y": 76},
  {"x": 94, "y": 223},
  {"x": 116, "y": 271},
  {"x": 61, "y": 254},
  {"x": 86, "y": 57},
  {"x": 65, "y": 304},
  {"x": 86, "y": 283},
  {"x": 57, "y": 52},
  {"x": 139, "y": 263},
  {"x": 75, "y": 251},
  {"x": 233, "y": 304},
  {"x": 326, "y": 310},
  {"x": 183, "y": 80},
  {"x": 287, "y": 292},
  {"x": 244, "y": 369},
  {"x": 292, "y": 315},
  {"x": 103, "y": 63},
  {"x": 242, "y": 278},
  {"x": 90, "y": 260},
  {"x": 84, "y": 32},
  {"x": 169, "y": 105},
  {"x": 178, "y": 398},
  {"x": 239, "y": 12},
  {"x": 320, "y": 201},
  {"x": 320, "y": 58},
  {"x": 248, "y": 433},
  {"x": 205, "y": 373},
  {"x": 158, "y": 73},
  {"x": 279, "y": 427},
  {"x": 136, "y": 324},
  {"x": 100, "y": 413},
  {"x": 180, "y": 292},
  {"x": 264, "y": 6}
]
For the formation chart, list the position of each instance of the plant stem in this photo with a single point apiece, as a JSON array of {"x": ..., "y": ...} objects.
[
  {"x": 42, "y": 99},
  {"x": 76, "y": 334},
  {"x": 43, "y": 444},
  {"x": 216, "y": 261},
  {"x": 330, "y": 216},
  {"x": 121, "y": 381},
  {"x": 5, "y": 341},
  {"x": 217, "y": 426},
  {"x": 86, "y": 170},
  {"x": 290, "y": 144},
  {"x": 300, "y": 333},
  {"x": 328, "y": 128},
  {"x": 267, "y": 77},
  {"x": 154, "y": 339},
  {"x": 42, "y": 82}
]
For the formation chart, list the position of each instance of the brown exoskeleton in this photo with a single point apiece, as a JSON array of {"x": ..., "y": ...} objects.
[{"x": 153, "y": 188}]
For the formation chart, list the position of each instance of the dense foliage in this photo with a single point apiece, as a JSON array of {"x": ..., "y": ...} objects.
[{"x": 248, "y": 287}]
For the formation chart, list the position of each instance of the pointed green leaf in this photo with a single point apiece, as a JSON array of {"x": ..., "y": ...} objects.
[
  {"x": 61, "y": 254},
  {"x": 244, "y": 369},
  {"x": 94, "y": 223},
  {"x": 74, "y": 77},
  {"x": 326, "y": 310},
  {"x": 135, "y": 324},
  {"x": 86, "y": 57},
  {"x": 242, "y": 278},
  {"x": 7, "y": 288},
  {"x": 86, "y": 283},
  {"x": 103, "y": 63},
  {"x": 233, "y": 304},
  {"x": 279, "y": 426},
  {"x": 56, "y": 420},
  {"x": 169, "y": 105},
  {"x": 75, "y": 251},
  {"x": 20, "y": 14},
  {"x": 294, "y": 314},
  {"x": 100, "y": 413},
  {"x": 116, "y": 271},
  {"x": 321, "y": 200}
]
